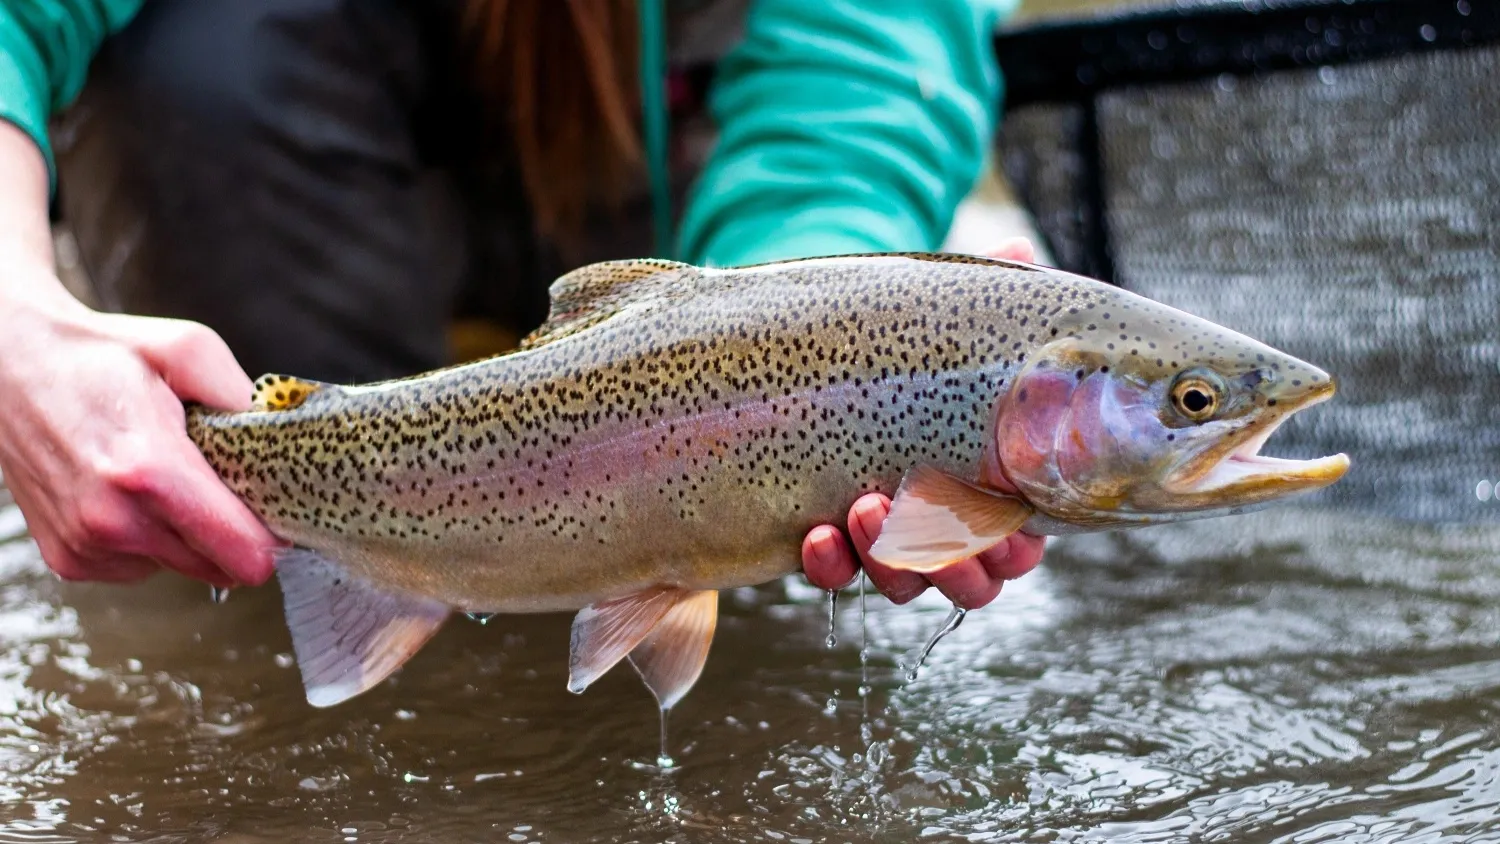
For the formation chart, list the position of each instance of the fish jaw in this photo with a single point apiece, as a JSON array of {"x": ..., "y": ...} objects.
[{"x": 1233, "y": 471}]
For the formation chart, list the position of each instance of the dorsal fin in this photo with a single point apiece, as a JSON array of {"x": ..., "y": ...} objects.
[
  {"x": 593, "y": 293},
  {"x": 282, "y": 392}
]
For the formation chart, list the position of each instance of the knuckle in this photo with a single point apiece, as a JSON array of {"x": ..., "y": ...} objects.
[
  {"x": 194, "y": 341},
  {"x": 131, "y": 474}
]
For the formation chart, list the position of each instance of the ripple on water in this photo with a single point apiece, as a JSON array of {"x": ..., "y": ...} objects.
[{"x": 1294, "y": 676}]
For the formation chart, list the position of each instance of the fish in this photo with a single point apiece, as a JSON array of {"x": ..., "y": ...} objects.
[{"x": 672, "y": 431}]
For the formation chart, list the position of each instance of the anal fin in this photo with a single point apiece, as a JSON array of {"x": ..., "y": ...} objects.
[
  {"x": 937, "y": 520},
  {"x": 665, "y": 631},
  {"x": 348, "y": 635}
]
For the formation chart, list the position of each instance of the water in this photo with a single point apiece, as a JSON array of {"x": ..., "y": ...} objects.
[
  {"x": 950, "y": 624},
  {"x": 1285, "y": 676}
]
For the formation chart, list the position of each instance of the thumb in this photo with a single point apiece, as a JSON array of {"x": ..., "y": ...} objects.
[
  {"x": 1015, "y": 249},
  {"x": 194, "y": 361}
]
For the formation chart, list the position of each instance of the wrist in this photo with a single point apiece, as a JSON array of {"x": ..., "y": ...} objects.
[{"x": 25, "y": 228}]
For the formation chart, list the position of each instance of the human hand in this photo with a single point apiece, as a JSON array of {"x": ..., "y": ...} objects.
[
  {"x": 93, "y": 443},
  {"x": 970, "y": 584}
]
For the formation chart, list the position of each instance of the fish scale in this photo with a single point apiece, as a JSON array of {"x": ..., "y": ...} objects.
[{"x": 670, "y": 428}]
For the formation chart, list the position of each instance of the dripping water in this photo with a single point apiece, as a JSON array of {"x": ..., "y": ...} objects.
[
  {"x": 950, "y": 624},
  {"x": 832, "y": 706},
  {"x": 864, "y": 662},
  {"x": 833, "y": 603},
  {"x": 218, "y": 594},
  {"x": 481, "y": 617},
  {"x": 663, "y": 761}
]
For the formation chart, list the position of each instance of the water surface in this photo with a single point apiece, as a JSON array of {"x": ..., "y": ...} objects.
[{"x": 1296, "y": 675}]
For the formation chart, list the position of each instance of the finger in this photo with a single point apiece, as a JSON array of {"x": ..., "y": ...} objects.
[
  {"x": 967, "y": 584},
  {"x": 826, "y": 559},
  {"x": 118, "y": 569},
  {"x": 865, "y": 518},
  {"x": 172, "y": 552},
  {"x": 194, "y": 361},
  {"x": 214, "y": 523},
  {"x": 1016, "y": 556},
  {"x": 1015, "y": 249},
  {"x": 111, "y": 568}
]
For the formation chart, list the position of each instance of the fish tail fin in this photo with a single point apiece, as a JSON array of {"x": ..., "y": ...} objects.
[
  {"x": 283, "y": 392},
  {"x": 348, "y": 635}
]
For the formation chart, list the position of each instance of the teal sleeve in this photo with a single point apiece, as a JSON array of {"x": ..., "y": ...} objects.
[
  {"x": 45, "y": 50},
  {"x": 845, "y": 126}
]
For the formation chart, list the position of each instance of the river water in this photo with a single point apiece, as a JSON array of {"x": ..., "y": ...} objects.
[{"x": 1294, "y": 675}]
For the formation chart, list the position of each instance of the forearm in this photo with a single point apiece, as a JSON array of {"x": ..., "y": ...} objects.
[
  {"x": 847, "y": 125},
  {"x": 25, "y": 228}
]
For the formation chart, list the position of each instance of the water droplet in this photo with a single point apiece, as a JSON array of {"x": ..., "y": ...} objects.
[
  {"x": 218, "y": 595},
  {"x": 1327, "y": 75},
  {"x": 1463, "y": 7},
  {"x": 285, "y": 661},
  {"x": 833, "y": 605},
  {"x": 411, "y": 777},
  {"x": 405, "y": 715},
  {"x": 1429, "y": 32},
  {"x": 481, "y": 617},
  {"x": 133, "y": 666},
  {"x": 950, "y": 624},
  {"x": 864, "y": 661},
  {"x": 1484, "y": 490}
]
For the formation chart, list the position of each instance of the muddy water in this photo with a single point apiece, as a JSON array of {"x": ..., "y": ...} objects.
[{"x": 1292, "y": 676}]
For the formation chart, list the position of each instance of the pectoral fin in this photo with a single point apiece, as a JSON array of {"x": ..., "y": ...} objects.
[
  {"x": 937, "y": 520},
  {"x": 665, "y": 631},
  {"x": 348, "y": 635}
]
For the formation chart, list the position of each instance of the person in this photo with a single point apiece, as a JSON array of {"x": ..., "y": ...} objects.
[{"x": 317, "y": 187}]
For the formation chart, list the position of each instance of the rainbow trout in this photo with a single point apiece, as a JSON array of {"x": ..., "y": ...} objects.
[{"x": 672, "y": 431}]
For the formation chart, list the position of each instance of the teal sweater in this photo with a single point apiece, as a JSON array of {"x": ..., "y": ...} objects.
[{"x": 845, "y": 125}]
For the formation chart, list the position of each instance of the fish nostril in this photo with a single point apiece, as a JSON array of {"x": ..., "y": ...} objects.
[{"x": 1256, "y": 377}]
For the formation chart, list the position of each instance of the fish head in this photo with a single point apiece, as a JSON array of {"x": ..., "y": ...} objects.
[{"x": 1136, "y": 413}]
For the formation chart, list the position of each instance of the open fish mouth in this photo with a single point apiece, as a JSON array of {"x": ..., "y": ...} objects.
[{"x": 1236, "y": 472}]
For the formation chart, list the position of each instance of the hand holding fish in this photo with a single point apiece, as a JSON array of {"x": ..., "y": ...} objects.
[
  {"x": 92, "y": 447},
  {"x": 91, "y": 440},
  {"x": 828, "y": 563}
]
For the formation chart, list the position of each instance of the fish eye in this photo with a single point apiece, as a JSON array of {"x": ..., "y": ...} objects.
[{"x": 1196, "y": 395}]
